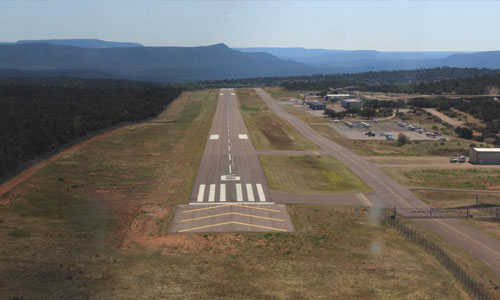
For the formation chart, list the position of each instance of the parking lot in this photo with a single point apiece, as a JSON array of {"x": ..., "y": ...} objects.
[{"x": 380, "y": 129}]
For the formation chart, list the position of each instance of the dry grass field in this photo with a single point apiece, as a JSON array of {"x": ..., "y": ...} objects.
[
  {"x": 94, "y": 225},
  {"x": 267, "y": 130},
  {"x": 478, "y": 179}
]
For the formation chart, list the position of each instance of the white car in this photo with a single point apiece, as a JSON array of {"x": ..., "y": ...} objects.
[{"x": 453, "y": 160}]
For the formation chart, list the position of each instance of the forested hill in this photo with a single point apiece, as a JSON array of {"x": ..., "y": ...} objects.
[
  {"x": 162, "y": 64},
  {"x": 426, "y": 81},
  {"x": 36, "y": 118}
]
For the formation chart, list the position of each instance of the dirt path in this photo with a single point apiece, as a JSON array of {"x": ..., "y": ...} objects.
[
  {"x": 453, "y": 190},
  {"x": 434, "y": 162},
  {"x": 451, "y": 121}
]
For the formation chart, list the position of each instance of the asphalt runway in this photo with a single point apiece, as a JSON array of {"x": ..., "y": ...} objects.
[
  {"x": 387, "y": 192},
  {"x": 230, "y": 192},
  {"x": 229, "y": 170}
]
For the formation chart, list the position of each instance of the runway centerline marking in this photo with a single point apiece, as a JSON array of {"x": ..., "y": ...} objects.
[
  {"x": 232, "y": 213},
  {"x": 243, "y": 136},
  {"x": 233, "y": 222}
]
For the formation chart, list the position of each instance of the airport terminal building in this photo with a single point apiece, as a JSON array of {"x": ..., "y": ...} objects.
[{"x": 484, "y": 156}]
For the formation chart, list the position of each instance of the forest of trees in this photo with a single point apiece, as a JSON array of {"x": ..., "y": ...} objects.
[
  {"x": 428, "y": 81},
  {"x": 483, "y": 108},
  {"x": 40, "y": 117}
]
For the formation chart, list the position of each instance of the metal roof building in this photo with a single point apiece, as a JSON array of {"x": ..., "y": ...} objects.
[{"x": 484, "y": 156}]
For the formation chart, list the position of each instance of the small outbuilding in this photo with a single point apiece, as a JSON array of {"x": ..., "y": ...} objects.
[
  {"x": 484, "y": 156},
  {"x": 317, "y": 105},
  {"x": 351, "y": 104}
]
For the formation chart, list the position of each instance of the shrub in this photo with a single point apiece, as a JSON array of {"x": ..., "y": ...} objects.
[{"x": 402, "y": 139}]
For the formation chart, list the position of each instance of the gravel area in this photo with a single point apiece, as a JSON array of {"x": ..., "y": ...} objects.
[{"x": 358, "y": 133}]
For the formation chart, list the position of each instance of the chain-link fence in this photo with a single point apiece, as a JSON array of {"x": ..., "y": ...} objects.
[{"x": 439, "y": 253}]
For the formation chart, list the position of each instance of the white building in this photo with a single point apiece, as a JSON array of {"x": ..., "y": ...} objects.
[{"x": 484, "y": 156}]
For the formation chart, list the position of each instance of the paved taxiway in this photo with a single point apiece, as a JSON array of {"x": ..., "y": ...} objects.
[{"x": 388, "y": 192}]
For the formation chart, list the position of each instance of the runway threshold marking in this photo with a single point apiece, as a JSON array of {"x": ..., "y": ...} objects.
[
  {"x": 211, "y": 193},
  {"x": 239, "y": 193},
  {"x": 222, "y": 192},
  {"x": 250, "y": 192},
  {"x": 201, "y": 193},
  {"x": 260, "y": 191},
  {"x": 214, "y": 136},
  {"x": 232, "y": 213},
  {"x": 228, "y": 205},
  {"x": 233, "y": 222}
]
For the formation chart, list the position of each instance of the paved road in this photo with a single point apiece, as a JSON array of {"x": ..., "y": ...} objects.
[
  {"x": 230, "y": 192},
  {"x": 229, "y": 170},
  {"x": 388, "y": 192}
]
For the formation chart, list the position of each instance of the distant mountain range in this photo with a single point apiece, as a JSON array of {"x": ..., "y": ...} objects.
[
  {"x": 148, "y": 63},
  {"x": 102, "y": 59},
  {"x": 345, "y": 61},
  {"x": 85, "y": 43}
]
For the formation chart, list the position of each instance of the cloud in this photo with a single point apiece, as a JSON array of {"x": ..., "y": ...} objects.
[{"x": 230, "y": 16}]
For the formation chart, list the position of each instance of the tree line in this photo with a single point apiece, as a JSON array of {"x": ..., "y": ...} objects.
[{"x": 38, "y": 118}]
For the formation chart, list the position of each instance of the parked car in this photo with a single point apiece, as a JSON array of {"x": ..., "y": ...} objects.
[
  {"x": 462, "y": 159},
  {"x": 453, "y": 160}
]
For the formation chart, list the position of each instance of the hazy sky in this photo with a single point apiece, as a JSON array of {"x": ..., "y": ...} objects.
[{"x": 380, "y": 25}]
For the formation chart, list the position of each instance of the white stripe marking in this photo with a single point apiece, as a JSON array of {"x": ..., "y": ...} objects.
[
  {"x": 222, "y": 192},
  {"x": 230, "y": 170},
  {"x": 243, "y": 136},
  {"x": 201, "y": 193},
  {"x": 239, "y": 193},
  {"x": 260, "y": 191},
  {"x": 211, "y": 193},
  {"x": 228, "y": 148},
  {"x": 214, "y": 137},
  {"x": 250, "y": 193},
  {"x": 229, "y": 156}
]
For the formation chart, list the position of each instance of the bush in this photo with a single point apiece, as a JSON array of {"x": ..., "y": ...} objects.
[
  {"x": 402, "y": 139},
  {"x": 464, "y": 132}
]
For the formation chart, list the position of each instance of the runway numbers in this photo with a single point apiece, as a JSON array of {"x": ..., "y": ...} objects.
[
  {"x": 242, "y": 136},
  {"x": 211, "y": 193},
  {"x": 260, "y": 191},
  {"x": 229, "y": 177},
  {"x": 214, "y": 137},
  {"x": 250, "y": 193},
  {"x": 201, "y": 193},
  {"x": 239, "y": 193},
  {"x": 222, "y": 193}
]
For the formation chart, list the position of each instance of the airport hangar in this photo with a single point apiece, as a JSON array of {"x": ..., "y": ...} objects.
[{"x": 484, "y": 156}]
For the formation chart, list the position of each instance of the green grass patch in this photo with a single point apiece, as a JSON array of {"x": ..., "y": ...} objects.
[
  {"x": 311, "y": 174},
  {"x": 267, "y": 130},
  {"x": 480, "y": 179}
]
